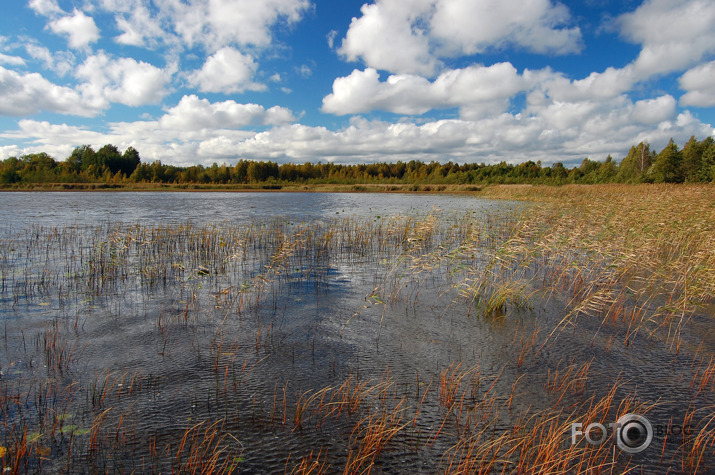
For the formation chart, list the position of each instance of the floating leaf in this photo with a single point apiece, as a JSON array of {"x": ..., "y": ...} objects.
[{"x": 3, "y": 451}]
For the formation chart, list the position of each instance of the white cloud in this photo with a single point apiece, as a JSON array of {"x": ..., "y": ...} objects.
[
  {"x": 332, "y": 34},
  {"x": 193, "y": 131},
  {"x": 79, "y": 27},
  {"x": 560, "y": 132},
  {"x": 699, "y": 83},
  {"x": 193, "y": 113},
  {"x": 9, "y": 151},
  {"x": 227, "y": 71},
  {"x": 468, "y": 27},
  {"x": 385, "y": 39},
  {"x": 138, "y": 27},
  {"x": 304, "y": 70},
  {"x": 11, "y": 60},
  {"x": 412, "y": 36},
  {"x": 477, "y": 88},
  {"x": 45, "y": 7},
  {"x": 654, "y": 111},
  {"x": 674, "y": 34},
  {"x": 61, "y": 62},
  {"x": 248, "y": 22},
  {"x": 122, "y": 80},
  {"x": 27, "y": 94},
  {"x": 219, "y": 23},
  {"x": 608, "y": 84}
]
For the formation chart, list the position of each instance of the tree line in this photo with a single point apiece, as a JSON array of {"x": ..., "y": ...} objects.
[{"x": 695, "y": 162}]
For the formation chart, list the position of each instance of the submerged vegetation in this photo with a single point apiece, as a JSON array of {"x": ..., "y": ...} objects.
[
  {"x": 455, "y": 342},
  {"x": 695, "y": 163}
]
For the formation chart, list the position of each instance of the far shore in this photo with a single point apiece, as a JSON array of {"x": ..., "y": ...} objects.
[{"x": 260, "y": 187}]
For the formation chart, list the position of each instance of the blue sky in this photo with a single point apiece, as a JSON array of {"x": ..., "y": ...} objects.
[{"x": 204, "y": 81}]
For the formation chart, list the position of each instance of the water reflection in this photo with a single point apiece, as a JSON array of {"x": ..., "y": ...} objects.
[{"x": 22, "y": 209}]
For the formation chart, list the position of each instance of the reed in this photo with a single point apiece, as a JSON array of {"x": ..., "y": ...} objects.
[{"x": 215, "y": 304}]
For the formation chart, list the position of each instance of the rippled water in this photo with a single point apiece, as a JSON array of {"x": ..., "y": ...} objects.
[
  {"x": 138, "y": 324},
  {"x": 22, "y": 209}
]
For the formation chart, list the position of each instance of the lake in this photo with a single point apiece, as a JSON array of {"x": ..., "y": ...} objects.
[
  {"x": 275, "y": 332},
  {"x": 22, "y": 209}
]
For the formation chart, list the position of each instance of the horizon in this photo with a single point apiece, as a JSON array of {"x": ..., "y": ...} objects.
[{"x": 294, "y": 81}]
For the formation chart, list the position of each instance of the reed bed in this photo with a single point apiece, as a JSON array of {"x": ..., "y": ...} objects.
[{"x": 463, "y": 342}]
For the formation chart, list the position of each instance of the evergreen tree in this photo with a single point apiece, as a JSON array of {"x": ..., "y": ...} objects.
[
  {"x": 608, "y": 171},
  {"x": 692, "y": 160},
  {"x": 707, "y": 167},
  {"x": 667, "y": 167}
]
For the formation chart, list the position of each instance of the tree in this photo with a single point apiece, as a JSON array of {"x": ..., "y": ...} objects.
[
  {"x": 707, "y": 168},
  {"x": 558, "y": 171},
  {"x": 74, "y": 161},
  {"x": 667, "y": 167},
  {"x": 89, "y": 157},
  {"x": 109, "y": 158},
  {"x": 692, "y": 160},
  {"x": 636, "y": 163},
  {"x": 130, "y": 161},
  {"x": 9, "y": 173},
  {"x": 141, "y": 173},
  {"x": 608, "y": 171}
]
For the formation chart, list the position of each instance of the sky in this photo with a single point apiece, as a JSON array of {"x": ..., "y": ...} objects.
[{"x": 214, "y": 81}]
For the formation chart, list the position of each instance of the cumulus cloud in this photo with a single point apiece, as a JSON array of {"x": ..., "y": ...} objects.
[
  {"x": 60, "y": 62},
  {"x": 674, "y": 34},
  {"x": 558, "y": 132},
  {"x": 194, "y": 130},
  {"x": 79, "y": 27},
  {"x": 138, "y": 27},
  {"x": 604, "y": 85},
  {"x": 219, "y": 23},
  {"x": 383, "y": 37},
  {"x": 488, "y": 140},
  {"x": 412, "y": 36},
  {"x": 227, "y": 71},
  {"x": 28, "y": 94},
  {"x": 474, "y": 88},
  {"x": 699, "y": 83},
  {"x": 193, "y": 113},
  {"x": 122, "y": 80},
  {"x": 468, "y": 27},
  {"x": 654, "y": 111},
  {"x": 45, "y": 7}
]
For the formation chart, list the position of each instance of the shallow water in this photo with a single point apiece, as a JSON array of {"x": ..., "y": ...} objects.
[
  {"x": 135, "y": 321},
  {"x": 22, "y": 209}
]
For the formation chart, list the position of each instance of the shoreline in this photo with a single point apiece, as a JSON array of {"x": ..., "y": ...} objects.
[{"x": 261, "y": 188}]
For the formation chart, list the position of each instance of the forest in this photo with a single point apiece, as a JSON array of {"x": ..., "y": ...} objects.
[{"x": 693, "y": 163}]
